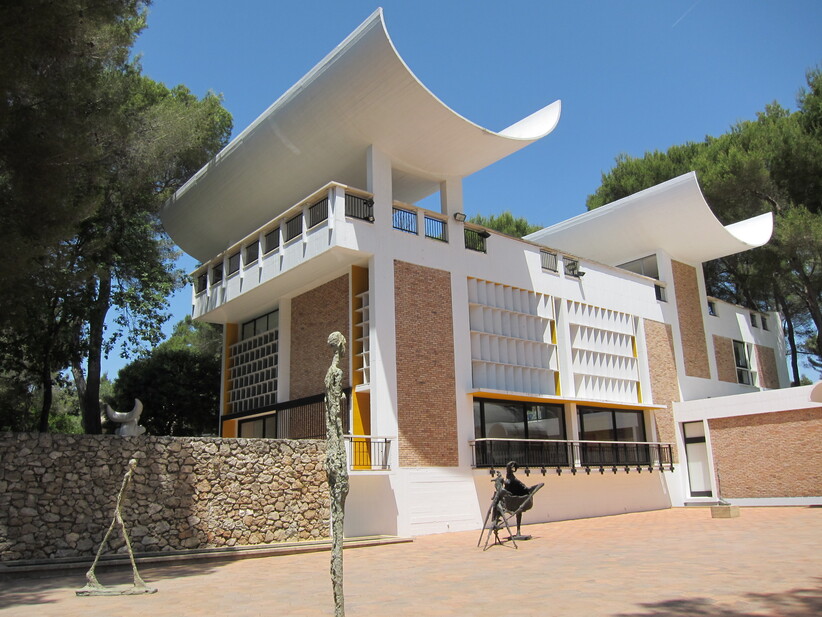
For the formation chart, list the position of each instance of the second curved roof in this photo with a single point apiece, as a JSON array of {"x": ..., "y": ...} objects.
[{"x": 672, "y": 216}]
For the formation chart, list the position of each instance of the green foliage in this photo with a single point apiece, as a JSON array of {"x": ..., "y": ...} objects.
[
  {"x": 773, "y": 163},
  {"x": 178, "y": 383},
  {"x": 506, "y": 223},
  {"x": 89, "y": 151}
]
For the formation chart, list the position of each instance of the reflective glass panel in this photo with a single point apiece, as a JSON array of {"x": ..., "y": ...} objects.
[{"x": 504, "y": 420}]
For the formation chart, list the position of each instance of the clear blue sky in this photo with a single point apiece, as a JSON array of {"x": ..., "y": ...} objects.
[{"x": 633, "y": 75}]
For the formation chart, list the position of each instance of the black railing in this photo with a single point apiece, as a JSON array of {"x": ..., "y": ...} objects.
[
  {"x": 475, "y": 240},
  {"x": 318, "y": 213},
  {"x": 436, "y": 229},
  {"x": 574, "y": 455},
  {"x": 405, "y": 220},
  {"x": 549, "y": 260},
  {"x": 368, "y": 453},
  {"x": 293, "y": 227},
  {"x": 359, "y": 207},
  {"x": 272, "y": 240}
]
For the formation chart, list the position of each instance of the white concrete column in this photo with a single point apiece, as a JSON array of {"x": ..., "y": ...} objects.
[
  {"x": 382, "y": 332},
  {"x": 450, "y": 203},
  {"x": 379, "y": 184}
]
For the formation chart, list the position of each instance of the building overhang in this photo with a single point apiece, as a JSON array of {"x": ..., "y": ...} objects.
[
  {"x": 362, "y": 94},
  {"x": 672, "y": 216}
]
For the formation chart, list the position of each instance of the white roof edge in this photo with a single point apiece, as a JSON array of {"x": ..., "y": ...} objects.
[
  {"x": 654, "y": 219},
  {"x": 755, "y": 231}
]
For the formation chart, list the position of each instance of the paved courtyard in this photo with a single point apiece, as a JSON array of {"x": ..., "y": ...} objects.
[{"x": 671, "y": 563}]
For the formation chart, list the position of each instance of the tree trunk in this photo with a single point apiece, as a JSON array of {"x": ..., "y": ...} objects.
[
  {"x": 45, "y": 383},
  {"x": 790, "y": 334},
  {"x": 96, "y": 333}
]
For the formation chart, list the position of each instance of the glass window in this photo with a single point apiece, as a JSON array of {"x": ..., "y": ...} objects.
[
  {"x": 252, "y": 428},
  {"x": 764, "y": 322},
  {"x": 504, "y": 420},
  {"x": 263, "y": 323},
  {"x": 518, "y": 420},
  {"x": 611, "y": 425},
  {"x": 712, "y": 308},
  {"x": 629, "y": 426},
  {"x": 741, "y": 355},
  {"x": 202, "y": 282},
  {"x": 546, "y": 422},
  {"x": 647, "y": 266},
  {"x": 754, "y": 323},
  {"x": 596, "y": 425}
]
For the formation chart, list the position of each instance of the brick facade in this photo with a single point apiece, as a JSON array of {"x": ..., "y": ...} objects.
[
  {"x": 766, "y": 367},
  {"x": 692, "y": 329},
  {"x": 314, "y": 315},
  {"x": 659, "y": 342},
  {"x": 769, "y": 454},
  {"x": 725, "y": 361},
  {"x": 426, "y": 383}
]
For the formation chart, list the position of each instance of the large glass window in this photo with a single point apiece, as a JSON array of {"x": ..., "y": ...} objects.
[
  {"x": 597, "y": 424},
  {"x": 612, "y": 425},
  {"x": 518, "y": 420},
  {"x": 265, "y": 427},
  {"x": 502, "y": 427}
]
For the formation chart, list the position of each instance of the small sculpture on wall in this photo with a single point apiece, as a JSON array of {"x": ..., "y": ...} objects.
[
  {"x": 93, "y": 587},
  {"x": 128, "y": 422},
  {"x": 336, "y": 465}
]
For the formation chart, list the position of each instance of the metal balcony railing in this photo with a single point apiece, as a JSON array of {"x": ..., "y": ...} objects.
[
  {"x": 368, "y": 453},
  {"x": 542, "y": 454}
]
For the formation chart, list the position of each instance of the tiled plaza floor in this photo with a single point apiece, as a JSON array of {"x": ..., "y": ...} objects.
[{"x": 670, "y": 563}]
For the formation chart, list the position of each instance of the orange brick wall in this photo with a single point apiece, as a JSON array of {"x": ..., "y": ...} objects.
[
  {"x": 314, "y": 315},
  {"x": 692, "y": 330},
  {"x": 659, "y": 342},
  {"x": 725, "y": 361},
  {"x": 769, "y": 454},
  {"x": 426, "y": 397},
  {"x": 766, "y": 366}
]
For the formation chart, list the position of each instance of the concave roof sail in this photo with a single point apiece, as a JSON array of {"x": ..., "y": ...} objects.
[
  {"x": 672, "y": 216},
  {"x": 361, "y": 94}
]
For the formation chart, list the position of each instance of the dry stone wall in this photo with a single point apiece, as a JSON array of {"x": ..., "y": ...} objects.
[{"x": 57, "y": 493}]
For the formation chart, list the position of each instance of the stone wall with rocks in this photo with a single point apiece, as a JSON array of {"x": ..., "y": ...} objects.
[{"x": 57, "y": 493}]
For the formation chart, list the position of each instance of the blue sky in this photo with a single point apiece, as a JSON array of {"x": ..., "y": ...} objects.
[{"x": 633, "y": 76}]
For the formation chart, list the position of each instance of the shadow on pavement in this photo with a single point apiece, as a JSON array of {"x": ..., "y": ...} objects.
[
  {"x": 36, "y": 587},
  {"x": 792, "y": 603}
]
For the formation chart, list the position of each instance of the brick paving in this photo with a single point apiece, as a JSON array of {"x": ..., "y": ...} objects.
[{"x": 670, "y": 563}]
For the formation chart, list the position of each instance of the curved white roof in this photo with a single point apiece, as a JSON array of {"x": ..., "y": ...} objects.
[
  {"x": 362, "y": 93},
  {"x": 672, "y": 216}
]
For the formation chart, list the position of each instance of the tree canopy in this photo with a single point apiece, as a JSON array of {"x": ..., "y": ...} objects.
[
  {"x": 90, "y": 149},
  {"x": 772, "y": 163},
  {"x": 506, "y": 223}
]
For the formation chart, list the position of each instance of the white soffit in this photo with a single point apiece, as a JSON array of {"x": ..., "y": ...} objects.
[
  {"x": 361, "y": 94},
  {"x": 672, "y": 216}
]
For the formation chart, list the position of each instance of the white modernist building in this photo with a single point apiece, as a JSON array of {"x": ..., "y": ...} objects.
[{"x": 564, "y": 351}]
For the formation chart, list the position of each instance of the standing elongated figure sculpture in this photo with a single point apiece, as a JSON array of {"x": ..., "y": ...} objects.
[
  {"x": 336, "y": 465},
  {"x": 93, "y": 586}
]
